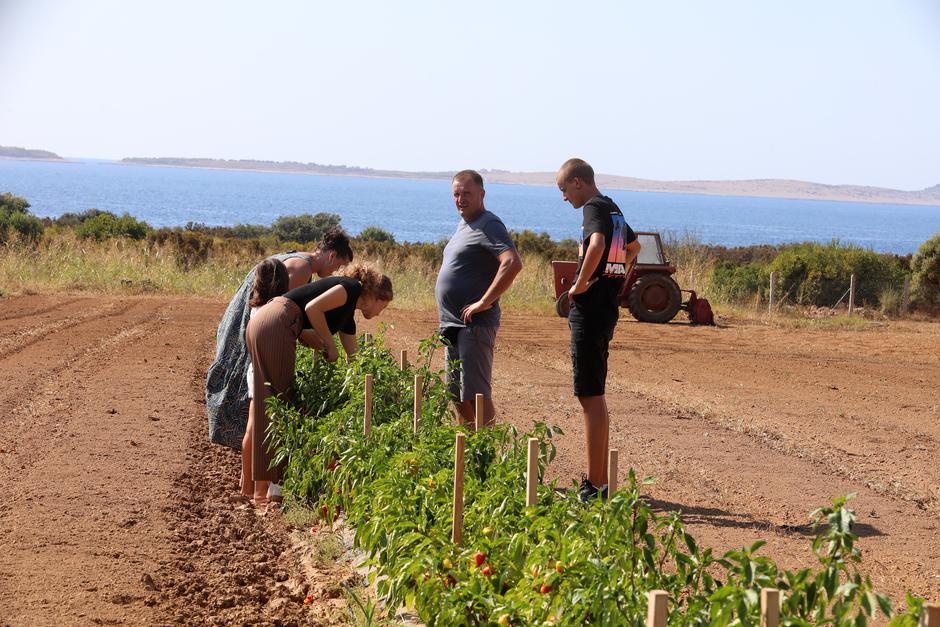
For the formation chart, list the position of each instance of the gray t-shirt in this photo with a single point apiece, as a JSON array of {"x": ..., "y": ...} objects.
[{"x": 469, "y": 267}]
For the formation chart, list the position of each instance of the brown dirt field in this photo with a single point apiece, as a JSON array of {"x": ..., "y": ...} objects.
[{"x": 118, "y": 510}]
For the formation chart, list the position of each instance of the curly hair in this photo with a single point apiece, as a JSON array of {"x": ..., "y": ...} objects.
[
  {"x": 337, "y": 241},
  {"x": 271, "y": 280},
  {"x": 374, "y": 283}
]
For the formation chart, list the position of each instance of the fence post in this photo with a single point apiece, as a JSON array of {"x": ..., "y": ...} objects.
[
  {"x": 367, "y": 338},
  {"x": 931, "y": 617},
  {"x": 419, "y": 384},
  {"x": 478, "y": 412},
  {"x": 769, "y": 607},
  {"x": 367, "y": 420},
  {"x": 612, "y": 462},
  {"x": 404, "y": 360},
  {"x": 773, "y": 291},
  {"x": 456, "y": 535},
  {"x": 851, "y": 294},
  {"x": 906, "y": 296},
  {"x": 657, "y": 609},
  {"x": 532, "y": 473}
]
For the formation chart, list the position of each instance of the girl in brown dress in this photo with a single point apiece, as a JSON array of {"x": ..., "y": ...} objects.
[{"x": 312, "y": 314}]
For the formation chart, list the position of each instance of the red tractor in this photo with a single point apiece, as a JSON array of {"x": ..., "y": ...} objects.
[{"x": 651, "y": 294}]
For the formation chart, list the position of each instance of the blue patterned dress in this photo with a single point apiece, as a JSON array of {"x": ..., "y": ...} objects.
[{"x": 226, "y": 387}]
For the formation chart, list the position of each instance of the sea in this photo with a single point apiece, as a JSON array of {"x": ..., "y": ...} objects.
[{"x": 422, "y": 210}]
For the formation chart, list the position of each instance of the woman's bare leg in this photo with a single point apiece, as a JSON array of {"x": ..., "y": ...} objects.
[{"x": 247, "y": 485}]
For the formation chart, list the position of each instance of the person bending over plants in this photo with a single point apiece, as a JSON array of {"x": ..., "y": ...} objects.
[
  {"x": 311, "y": 314},
  {"x": 271, "y": 280},
  {"x": 226, "y": 392}
]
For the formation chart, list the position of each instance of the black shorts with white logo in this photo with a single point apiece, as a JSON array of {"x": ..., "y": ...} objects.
[{"x": 592, "y": 320}]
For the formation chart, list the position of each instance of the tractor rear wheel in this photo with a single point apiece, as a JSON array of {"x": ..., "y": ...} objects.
[
  {"x": 655, "y": 298},
  {"x": 562, "y": 305}
]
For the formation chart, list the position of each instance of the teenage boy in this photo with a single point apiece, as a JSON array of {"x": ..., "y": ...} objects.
[
  {"x": 480, "y": 263},
  {"x": 608, "y": 249}
]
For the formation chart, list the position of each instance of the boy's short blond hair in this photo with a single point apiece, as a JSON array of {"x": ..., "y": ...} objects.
[{"x": 576, "y": 168}]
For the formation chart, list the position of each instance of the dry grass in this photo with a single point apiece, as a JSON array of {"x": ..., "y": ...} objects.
[{"x": 62, "y": 262}]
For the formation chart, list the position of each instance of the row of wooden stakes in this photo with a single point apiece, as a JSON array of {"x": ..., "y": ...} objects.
[
  {"x": 657, "y": 613},
  {"x": 658, "y": 608}
]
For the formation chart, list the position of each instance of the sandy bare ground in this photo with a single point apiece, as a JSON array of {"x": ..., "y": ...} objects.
[{"x": 117, "y": 508}]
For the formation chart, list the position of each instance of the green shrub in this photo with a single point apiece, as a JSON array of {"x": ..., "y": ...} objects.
[
  {"x": 304, "y": 228},
  {"x": 105, "y": 225},
  {"x": 926, "y": 278},
  {"x": 10, "y": 204},
  {"x": 249, "y": 231},
  {"x": 733, "y": 283},
  {"x": 70, "y": 219},
  {"x": 191, "y": 248},
  {"x": 16, "y": 218},
  {"x": 819, "y": 274},
  {"x": 376, "y": 234},
  {"x": 530, "y": 243}
]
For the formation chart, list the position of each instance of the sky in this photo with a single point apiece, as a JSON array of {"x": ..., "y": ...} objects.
[{"x": 841, "y": 92}]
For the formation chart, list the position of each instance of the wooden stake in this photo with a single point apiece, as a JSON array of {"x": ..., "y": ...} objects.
[
  {"x": 769, "y": 607},
  {"x": 906, "y": 296},
  {"x": 658, "y": 608},
  {"x": 612, "y": 461},
  {"x": 457, "y": 524},
  {"x": 479, "y": 412},
  {"x": 931, "y": 617},
  {"x": 851, "y": 294},
  {"x": 419, "y": 384},
  {"x": 367, "y": 420},
  {"x": 532, "y": 473},
  {"x": 366, "y": 338},
  {"x": 404, "y": 360},
  {"x": 773, "y": 291}
]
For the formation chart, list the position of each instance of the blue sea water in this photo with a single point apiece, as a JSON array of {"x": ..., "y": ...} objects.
[{"x": 421, "y": 210}]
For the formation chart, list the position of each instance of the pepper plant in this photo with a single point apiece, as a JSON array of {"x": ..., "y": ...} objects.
[{"x": 556, "y": 562}]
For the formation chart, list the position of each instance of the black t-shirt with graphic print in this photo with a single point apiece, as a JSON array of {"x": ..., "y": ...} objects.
[
  {"x": 340, "y": 319},
  {"x": 602, "y": 215}
]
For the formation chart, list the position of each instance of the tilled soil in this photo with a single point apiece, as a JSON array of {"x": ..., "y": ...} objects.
[{"x": 117, "y": 509}]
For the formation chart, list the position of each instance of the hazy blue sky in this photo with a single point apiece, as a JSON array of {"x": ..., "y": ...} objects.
[{"x": 835, "y": 91}]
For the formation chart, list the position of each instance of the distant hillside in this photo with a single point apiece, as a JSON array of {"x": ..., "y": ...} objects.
[
  {"x": 773, "y": 188},
  {"x": 14, "y": 152}
]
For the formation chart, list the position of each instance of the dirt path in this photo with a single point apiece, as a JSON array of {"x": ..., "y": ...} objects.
[{"x": 118, "y": 511}]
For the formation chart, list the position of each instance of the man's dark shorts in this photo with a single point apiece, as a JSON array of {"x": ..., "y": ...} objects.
[{"x": 592, "y": 328}]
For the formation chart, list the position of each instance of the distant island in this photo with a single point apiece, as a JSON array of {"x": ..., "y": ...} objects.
[
  {"x": 14, "y": 152},
  {"x": 768, "y": 188}
]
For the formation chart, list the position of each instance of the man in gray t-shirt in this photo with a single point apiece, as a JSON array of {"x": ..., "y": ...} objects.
[{"x": 480, "y": 263}]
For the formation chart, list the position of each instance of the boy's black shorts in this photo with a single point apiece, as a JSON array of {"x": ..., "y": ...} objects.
[{"x": 592, "y": 328}]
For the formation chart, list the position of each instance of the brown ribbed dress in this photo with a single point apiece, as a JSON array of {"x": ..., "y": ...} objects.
[
  {"x": 272, "y": 343},
  {"x": 271, "y": 337}
]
